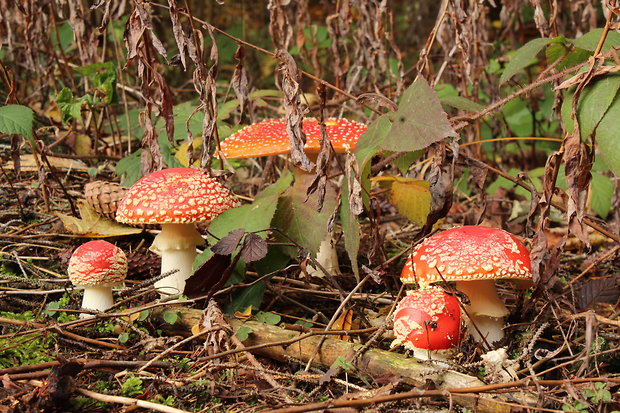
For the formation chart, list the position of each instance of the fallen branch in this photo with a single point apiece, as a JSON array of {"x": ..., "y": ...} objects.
[{"x": 283, "y": 345}]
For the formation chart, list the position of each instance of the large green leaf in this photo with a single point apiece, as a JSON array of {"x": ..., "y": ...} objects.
[
  {"x": 419, "y": 121},
  {"x": 523, "y": 57},
  {"x": 367, "y": 147},
  {"x": 593, "y": 104},
  {"x": 16, "y": 119},
  {"x": 252, "y": 217},
  {"x": 297, "y": 217},
  {"x": 607, "y": 138},
  {"x": 590, "y": 40}
]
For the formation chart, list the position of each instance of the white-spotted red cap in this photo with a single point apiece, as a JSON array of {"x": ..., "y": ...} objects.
[
  {"x": 175, "y": 196},
  {"x": 428, "y": 319},
  {"x": 269, "y": 137},
  {"x": 97, "y": 263},
  {"x": 467, "y": 253}
]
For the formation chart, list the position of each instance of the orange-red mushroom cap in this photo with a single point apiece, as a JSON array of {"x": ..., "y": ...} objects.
[
  {"x": 269, "y": 137},
  {"x": 467, "y": 253},
  {"x": 175, "y": 196},
  {"x": 428, "y": 319},
  {"x": 97, "y": 263}
]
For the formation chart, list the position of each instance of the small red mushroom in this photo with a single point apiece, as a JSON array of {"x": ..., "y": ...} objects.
[
  {"x": 428, "y": 321},
  {"x": 473, "y": 256},
  {"x": 97, "y": 266},
  {"x": 176, "y": 198}
]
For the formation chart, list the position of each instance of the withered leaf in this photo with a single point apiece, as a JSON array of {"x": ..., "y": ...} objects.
[
  {"x": 228, "y": 244},
  {"x": 254, "y": 248},
  {"x": 210, "y": 276}
]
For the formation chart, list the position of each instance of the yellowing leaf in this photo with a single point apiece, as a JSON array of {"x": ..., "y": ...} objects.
[
  {"x": 245, "y": 314},
  {"x": 82, "y": 145},
  {"x": 183, "y": 156},
  {"x": 412, "y": 198},
  {"x": 195, "y": 329},
  {"x": 344, "y": 322},
  {"x": 94, "y": 225}
]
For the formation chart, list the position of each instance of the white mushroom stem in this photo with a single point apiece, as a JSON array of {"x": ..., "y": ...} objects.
[
  {"x": 327, "y": 257},
  {"x": 177, "y": 245},
  {"x": 486, "y": 310},
  {"x": 97, "y": 298}
]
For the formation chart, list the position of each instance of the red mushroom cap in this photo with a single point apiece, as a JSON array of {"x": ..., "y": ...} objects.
[
  {"x": 467, "y": 253},
  {"x": 269, "y": 137},
  {"x": 175, "y": 196},
  {"x": 428, "y": 319},
  {"x": 97, "y": 263}
]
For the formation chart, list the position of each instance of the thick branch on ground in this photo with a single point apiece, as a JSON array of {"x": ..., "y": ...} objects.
[{"x": 373, "y": 362}]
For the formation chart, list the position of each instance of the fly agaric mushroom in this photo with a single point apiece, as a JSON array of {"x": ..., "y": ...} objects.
[
  {"x": 473, "y": 256},
  {"x": 269, "y": 137},
  {"x": 428, "y": 322},
  {"x": 97, "y": 266},
  {"x": 176, "y": 198}
]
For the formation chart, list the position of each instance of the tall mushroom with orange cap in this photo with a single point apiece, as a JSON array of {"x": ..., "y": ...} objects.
[
  {"x": 473, "y": 256},
  {"x": 176, "y": 198},
  {"x": 269, "y": 137}
]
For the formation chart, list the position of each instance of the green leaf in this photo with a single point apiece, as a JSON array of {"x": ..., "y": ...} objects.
[
  {"x": 298, "y": 218},
  {"x": 350, "y": 228},
  {"x": 143, "y": 315},
  {"x": 64, "y": 33},
  {"x": 70, "y": 106},
  {"x": 268, "y": 318},
  {"x": 593, "y": 104},
  {"x": 243, "y": 333},
  {"x": 412, "y": 198},
  {"x": 132, "y": 386},
  {"x": 519, "y": 117},
  {"x": 171, "y": 317},
  {"x": 590, "y": 40},
  {"x": 103, "y": 79},
  {"x": 607, "y": 134},
  {"x": 462, "y": 103},
  {"x": 602, "y": 189},
  {"x": 367, "y": 147},
  {"x": 17, "y": 119},
  {"x": 245, "y": 297},
  {"x": 404, "y": 161},
  {"x": 419, "y": 121},
  {"x": 523, "y": 57},
  {"x": 128, "y": 168},
  {"x": 123, "y": 338},
  {"x": 253, "y": 217},
  {"x": 341, "y": 361}
]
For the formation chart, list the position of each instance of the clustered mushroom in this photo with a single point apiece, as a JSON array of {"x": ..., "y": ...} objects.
[
  {"x": 474, "y": 257},
  {"x": 270, "y": 137},
  {"x": 428, "y": 322},
  {"x": 97, "y": 266},
  {"x": 176, "y": 198}
]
